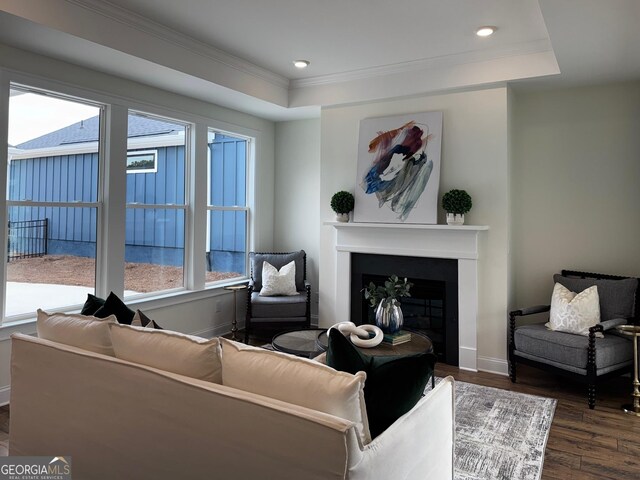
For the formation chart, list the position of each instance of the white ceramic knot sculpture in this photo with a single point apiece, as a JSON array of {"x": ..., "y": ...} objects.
[{"x": 359, "y": 335}]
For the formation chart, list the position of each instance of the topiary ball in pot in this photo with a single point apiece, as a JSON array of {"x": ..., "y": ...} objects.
[
  {"x": 456, "y": 203},
  {"x": 342, "y": 203}
]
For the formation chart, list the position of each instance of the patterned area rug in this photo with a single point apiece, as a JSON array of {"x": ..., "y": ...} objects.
[{"x": 500, "y": 434}]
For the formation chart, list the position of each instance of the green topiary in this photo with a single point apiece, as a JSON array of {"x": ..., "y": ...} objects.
[
  {"x": 342, "y": 202},
  {"x": 457, "y": 201}
]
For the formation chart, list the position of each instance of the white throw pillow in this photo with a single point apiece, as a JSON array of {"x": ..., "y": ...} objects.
[
  {"x": 174, "y": 352},
  {"x": 574, "y": 313},
  {"x": 82, "y": 331},
  {"x": 276, "y": 282},
  {"x": 296, "y": 380}
]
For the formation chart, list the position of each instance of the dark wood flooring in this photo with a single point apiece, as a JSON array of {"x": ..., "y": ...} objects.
[{"x": 583, "y": 444}]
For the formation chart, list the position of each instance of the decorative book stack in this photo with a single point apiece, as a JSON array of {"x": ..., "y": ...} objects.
[{"x": 397, "y": 338}]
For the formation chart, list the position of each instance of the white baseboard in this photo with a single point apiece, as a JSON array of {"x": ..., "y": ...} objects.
[
  {"x": 493, "y": 365},
  {"x": 5, "y": 394}
]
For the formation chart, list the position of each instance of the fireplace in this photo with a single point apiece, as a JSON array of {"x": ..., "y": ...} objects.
[
  {"x": 433, "y": 305},
  {"x": 453, "y": 245}
]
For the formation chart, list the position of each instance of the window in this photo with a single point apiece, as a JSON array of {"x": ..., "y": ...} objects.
[
  {"x": 53, "y": 201},
  {"x": 227, "y": 211},
  {"x": 143, "y": 161},
  {"x": 156, "y": 205}
]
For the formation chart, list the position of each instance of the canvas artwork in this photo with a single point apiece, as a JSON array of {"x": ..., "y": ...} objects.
[{"x": 399, "y": 169}]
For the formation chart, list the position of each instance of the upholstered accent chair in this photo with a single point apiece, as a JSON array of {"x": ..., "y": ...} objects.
[
  {"x": 587, "y": 359},
  {"x": 278, "y": 312}
]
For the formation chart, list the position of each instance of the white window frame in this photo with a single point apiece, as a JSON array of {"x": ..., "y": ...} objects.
[
  {"x": 138, "y": 153},
  {"x": 98, "y": 205},
  {"x": 188, "y": 127},
  {"x": 246, "y": 208}
]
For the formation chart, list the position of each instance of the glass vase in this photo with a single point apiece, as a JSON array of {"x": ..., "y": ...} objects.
[{"x": 389, "y": 316}]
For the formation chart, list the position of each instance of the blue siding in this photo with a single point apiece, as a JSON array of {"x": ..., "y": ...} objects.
[{"x": 70, "y": 178}]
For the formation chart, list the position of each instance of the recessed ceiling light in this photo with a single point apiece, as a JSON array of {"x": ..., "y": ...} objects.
[
  {"x": 485, "y": 31},
  {"x": 301, "y": 63}
]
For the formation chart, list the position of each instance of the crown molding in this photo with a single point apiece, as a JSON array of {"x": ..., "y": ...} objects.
[
  {"x": 138, "y": 22},
  {"x": 443, "y": 61}
]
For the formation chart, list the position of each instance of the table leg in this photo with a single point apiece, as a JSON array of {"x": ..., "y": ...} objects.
[
  {"x": 634, "y": 409},
  {"x": 234, "y": 322}
]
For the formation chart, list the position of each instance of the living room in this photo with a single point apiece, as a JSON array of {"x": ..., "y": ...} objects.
[{"x": 543, "y": 139}]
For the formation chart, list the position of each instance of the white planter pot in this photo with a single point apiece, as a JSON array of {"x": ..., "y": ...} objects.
[
  {"x": 455, "y": 219},
  {"x": 342, "y": 217}
]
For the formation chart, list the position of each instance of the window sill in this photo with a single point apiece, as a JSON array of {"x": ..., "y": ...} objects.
[{"x": 166, "y": 299}]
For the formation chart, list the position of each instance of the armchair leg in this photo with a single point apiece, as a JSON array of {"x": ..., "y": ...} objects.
[
  {"x": 512, "y": 371},
  {"x": 591, "y": 395}
]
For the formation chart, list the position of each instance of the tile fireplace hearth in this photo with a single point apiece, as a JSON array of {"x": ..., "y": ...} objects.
[{"x": 458, "y": 243}]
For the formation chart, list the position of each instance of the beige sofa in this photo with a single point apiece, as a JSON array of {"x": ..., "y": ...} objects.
[{"x": 118, "y": 419}]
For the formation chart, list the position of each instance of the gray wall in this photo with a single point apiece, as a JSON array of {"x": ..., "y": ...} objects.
[
  {"x": 575, "y": 185},
  {"x": 297, "y": 197}
]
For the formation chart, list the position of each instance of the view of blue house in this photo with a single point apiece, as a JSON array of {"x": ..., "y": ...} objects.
[{"x": 62, "y": 166}]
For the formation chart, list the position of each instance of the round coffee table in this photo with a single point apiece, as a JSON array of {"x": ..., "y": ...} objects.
[{"x": 303, "y": 343}]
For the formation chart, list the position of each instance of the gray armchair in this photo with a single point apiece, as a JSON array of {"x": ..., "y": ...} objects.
[
  {"x": 279, "y": 312},
  {"x": 587, "y": 359}
]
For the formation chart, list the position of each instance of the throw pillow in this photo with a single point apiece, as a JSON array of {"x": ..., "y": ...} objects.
[
  {"x": 296, "y": 380},
  {"x": 282, "y": 282},
  {"x": 574, "y": 313},
  {"x": 141, "y": 320},
  {"x": 174, "y": 352},
  {"x": 114, "y": 306},
  {"x": 617, "y": 297},
  {"x": 394, "y": 383},
  {"x": 92, "y": 305},
  {"x": 89, "y": 333}
]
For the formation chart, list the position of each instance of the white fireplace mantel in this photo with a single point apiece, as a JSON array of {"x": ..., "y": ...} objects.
[{"x": 458, "y": 242}]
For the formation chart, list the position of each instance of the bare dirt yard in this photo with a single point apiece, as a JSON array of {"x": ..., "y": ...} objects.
[{"x": 80, "y": 271}]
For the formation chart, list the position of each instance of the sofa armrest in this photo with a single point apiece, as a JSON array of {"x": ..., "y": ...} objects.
[{"x": 418, "y": 445}]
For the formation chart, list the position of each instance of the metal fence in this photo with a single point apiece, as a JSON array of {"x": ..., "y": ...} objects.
[{"x": 28, "y": 239}]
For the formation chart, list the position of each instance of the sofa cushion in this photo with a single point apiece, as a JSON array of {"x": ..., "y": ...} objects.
[
  {"x": 278, "y": 260},
  {"x": 569, "y": 349},
  {"x": 174, "y": 352},
  {"x": 617, "y": 297},
  {"x": 114, "y": 306},
  {"x": 394, "y": 384},
  {"x": 88, "y": 333},
  {"x": 92, "y": 305},
  {"x": 271, "y": 307},
  {"x": 574, "y": 313},
  {"x": 296, "y": 380}
]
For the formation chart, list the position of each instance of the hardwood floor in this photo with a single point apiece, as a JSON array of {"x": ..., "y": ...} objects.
[{"x": 583, "y": 444}]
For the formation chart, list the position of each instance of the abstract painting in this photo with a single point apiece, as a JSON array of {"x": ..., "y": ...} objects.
[{"x": 399, "y": 169}]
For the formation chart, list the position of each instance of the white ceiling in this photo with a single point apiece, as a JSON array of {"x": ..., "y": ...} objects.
[{"x": 238, "y": 53}]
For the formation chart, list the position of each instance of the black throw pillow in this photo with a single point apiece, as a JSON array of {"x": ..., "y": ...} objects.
[
  {"x": 147, "y": 322},
  {"x": 92, "y": 305},
  {"x": 114, "y": 306},
  {"x": 394, "y": 384}
]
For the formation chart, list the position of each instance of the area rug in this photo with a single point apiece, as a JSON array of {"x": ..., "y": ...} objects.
[{"x": 500, "y": 434}]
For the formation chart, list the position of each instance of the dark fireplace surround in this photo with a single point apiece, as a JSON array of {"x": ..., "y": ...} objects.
[{"x": 432, "y": 276}]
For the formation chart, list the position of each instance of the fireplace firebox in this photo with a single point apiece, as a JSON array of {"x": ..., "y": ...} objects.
[{"x": 433, "y": 305}]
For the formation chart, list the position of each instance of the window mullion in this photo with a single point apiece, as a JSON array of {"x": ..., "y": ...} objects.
[{"x": 4, "y": 167}]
